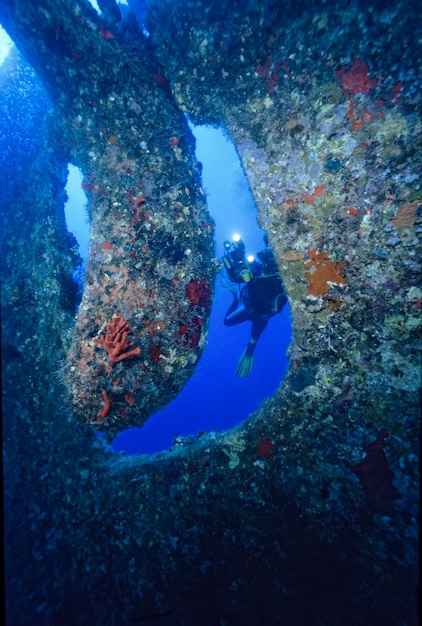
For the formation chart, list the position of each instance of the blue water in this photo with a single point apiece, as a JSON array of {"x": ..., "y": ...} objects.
[{"x": 77, "y": 219}]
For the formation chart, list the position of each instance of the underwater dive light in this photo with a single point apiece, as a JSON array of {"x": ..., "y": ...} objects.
[{"x": 238, "y": 244}]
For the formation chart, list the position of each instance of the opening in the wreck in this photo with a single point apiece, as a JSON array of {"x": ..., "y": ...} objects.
[
  {"x": 216, "y": 398},
  {"x": 77, "y": 219}
]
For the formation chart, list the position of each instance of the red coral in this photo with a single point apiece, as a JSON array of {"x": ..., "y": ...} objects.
[
  {"x": 115, "y": 340},
  {"x": 105, "y": 34},
  {"x": 159, "y": 79},
  {"x": 406, "y": 215},
  {"x": 106, "y": 408},
  {"x": 190, "y": 334},
  {"x": 136, "y": 216},
  {"x": 367, "y": 116},
  {"x": 375, "y": 476},
  {"x": 351, "y": 112},
  {"x": 396, "y": 95},
  {"x": 320, "y": 272},
  {"x": 269, "y": 71},
  {"x": 199, "y": 293},
  {"x": 317, "y": 193},
  {"x": 155, "y": 353},
  {"x": 355, "y": 79},
  {"x": 266, "y": 448}
]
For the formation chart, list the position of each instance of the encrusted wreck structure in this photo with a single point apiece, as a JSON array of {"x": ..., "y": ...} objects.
[{"x": 307, "y": 512}]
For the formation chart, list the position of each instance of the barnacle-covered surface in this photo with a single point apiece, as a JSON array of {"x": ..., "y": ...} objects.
[
  {"x": 147, "y": 207},
  {"x": 307, "y": 513}
]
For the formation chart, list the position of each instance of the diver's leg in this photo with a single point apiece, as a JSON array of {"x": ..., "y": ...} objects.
[
  {"x": 244, "y": 367},
  {"x": 258, "y": 327},
  {"x": 235, "y": 314}
]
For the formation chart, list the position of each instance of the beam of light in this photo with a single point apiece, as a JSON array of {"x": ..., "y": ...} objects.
[{"x": 5, "y": 45}]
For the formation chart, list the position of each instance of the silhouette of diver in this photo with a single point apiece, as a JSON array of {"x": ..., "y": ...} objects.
[{"x": 259, "y": 296}]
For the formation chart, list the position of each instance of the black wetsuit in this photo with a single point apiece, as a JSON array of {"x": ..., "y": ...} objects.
[{"x": 260, "y": 299}]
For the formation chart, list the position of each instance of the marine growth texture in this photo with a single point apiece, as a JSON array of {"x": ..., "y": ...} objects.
[{"x": 308, "y": 512}]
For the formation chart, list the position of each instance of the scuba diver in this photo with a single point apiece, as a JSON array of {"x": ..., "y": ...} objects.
[{"x": 259, "y": 294}]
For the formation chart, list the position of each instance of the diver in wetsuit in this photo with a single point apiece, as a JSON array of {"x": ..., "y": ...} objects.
[{"x": 260, "y": 294}]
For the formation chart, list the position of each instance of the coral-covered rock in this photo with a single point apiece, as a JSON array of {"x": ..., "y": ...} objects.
[
  {"x": 375, "y": 476},
  {"x": 219, "y": 508},
  {"x": 321, "y": 272},
  {"x": 355, "y": 79}
]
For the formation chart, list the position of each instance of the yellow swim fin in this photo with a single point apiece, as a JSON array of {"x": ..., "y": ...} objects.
[{"x": 244, "y": 367}]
